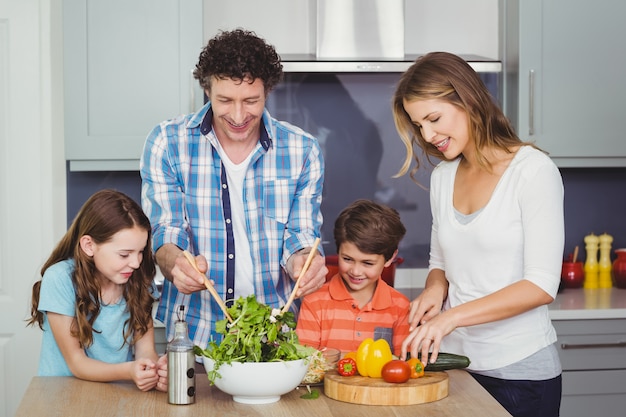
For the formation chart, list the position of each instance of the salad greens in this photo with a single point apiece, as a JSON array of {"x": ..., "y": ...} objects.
[
  {"x": 258, "y": 333},
  {"x": 310, "y": 394}
]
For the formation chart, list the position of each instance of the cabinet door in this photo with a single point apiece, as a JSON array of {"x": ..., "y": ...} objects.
[
  {"x": 593, "y": 357},
  {"x": 591, "y": 393},
  {"x": 571, "y": 79},
  {"x": 127, "y": 66}
]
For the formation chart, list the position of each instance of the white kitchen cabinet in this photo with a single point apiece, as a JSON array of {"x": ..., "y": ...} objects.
[
  {"x": 564, "y": 66},
  {"x": 593, "y": 356},
  {"x": 127, "y": 67}
]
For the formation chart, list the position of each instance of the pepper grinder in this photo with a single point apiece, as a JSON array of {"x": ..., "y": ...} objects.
[
  {"x": 604, "y": 266},
  {"x": 181, "y": 374},
  {"x": 591, "y": 263}
]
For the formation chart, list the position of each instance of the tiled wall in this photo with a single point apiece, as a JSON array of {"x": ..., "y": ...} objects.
[{"x": 595, "y": 201}]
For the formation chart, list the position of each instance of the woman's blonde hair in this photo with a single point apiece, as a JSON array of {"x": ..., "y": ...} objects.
[{"x": 445, "y": 76}]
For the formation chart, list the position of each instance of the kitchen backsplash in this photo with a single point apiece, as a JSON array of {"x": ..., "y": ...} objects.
[{"x": 595, "y": 201}]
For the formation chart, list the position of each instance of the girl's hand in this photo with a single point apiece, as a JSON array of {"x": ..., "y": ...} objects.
[
  {"x": 162, "y": 373},
  {"x": 144, "y": 374}
]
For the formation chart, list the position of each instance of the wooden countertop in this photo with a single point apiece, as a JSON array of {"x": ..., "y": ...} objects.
[{"x": 72, "y": 397}]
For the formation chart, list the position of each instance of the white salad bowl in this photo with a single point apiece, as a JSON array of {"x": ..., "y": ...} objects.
[{"x": 258, "y": 382}]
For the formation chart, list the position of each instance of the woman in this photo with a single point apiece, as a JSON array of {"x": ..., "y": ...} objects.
[{"x": 496, "y": 241}]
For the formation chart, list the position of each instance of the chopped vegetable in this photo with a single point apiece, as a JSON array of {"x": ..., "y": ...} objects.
[
  {"x": 254, "y": 336},
  {"x": 317, "y": 368},
  {"x": 311, "y": 394},
  {"x": 417, "y": 368},
  {"x": 372, "y": 356},
  {"x": 346, "y": 367}
]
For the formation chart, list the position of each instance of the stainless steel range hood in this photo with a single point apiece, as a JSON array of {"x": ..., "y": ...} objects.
[
  {"x": 360, "y": 29},
  {"x": 363, "y": 36}
]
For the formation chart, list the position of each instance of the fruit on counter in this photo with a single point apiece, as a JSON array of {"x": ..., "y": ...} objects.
[
  {"x": 417, "y": 368},
  {"x": 446, "y": 361},
  {"x": 346, "y": 367},
  {"x": 396, "y": 371},
  {"x": 350, "y": 355},
  {"x": 371, "y": 356}
]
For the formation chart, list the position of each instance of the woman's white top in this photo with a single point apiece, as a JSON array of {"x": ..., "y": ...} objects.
[{"x": 518, "y": 234}]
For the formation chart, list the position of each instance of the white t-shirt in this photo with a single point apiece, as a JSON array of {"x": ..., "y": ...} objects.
[
  {"x": 519, "y": 234},
  {"x": 235, "y": 175}
]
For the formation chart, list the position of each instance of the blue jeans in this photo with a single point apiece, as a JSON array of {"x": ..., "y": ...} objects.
[{"x": 525, "y": 398}]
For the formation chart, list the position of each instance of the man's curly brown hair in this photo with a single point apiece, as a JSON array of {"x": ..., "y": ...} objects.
[{"x": 236, "y": 55}]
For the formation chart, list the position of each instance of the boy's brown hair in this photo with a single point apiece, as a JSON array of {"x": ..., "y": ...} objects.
[{"x": 373, "y": 228}]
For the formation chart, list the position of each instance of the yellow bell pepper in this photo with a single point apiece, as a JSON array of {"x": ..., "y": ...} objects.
[{"x": 372, "y": 356}]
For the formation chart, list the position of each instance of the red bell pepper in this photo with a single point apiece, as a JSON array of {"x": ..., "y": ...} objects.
[{"x": 346, "y": 367}]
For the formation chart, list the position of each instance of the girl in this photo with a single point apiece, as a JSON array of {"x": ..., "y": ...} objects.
[
  {"x": 496, "y": 241},
  {"x": 94, "y": 301}
]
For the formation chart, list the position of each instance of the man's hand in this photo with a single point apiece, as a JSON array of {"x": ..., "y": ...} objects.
[
  {"x": 314, "y": 277},
  {"x": 177, "y": 269}
]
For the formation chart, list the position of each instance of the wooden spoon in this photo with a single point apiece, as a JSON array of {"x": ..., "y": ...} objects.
[{"x": 208, "y": 286}]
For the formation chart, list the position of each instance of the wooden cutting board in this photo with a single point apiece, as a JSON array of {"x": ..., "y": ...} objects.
[{"x": 432, "y": 386}]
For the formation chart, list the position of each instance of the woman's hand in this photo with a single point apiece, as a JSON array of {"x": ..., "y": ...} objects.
[
  {"x": 427, "y": 337},
  {"x": 426, "y": 306}
]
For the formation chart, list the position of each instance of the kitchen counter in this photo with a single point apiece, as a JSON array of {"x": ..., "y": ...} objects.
[
  {"x": 579, "y": 304},
  {"x": 575, "y": 303},
  {"x": 72, "y": 397}
]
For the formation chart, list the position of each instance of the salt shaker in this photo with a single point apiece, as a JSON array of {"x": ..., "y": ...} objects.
[{"x": 181, "y": 374}]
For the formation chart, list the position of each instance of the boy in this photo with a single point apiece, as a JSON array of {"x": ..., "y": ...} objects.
[{"x": 356, "y": 303}]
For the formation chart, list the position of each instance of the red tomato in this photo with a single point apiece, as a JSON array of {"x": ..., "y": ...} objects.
[{"x": 396, "y": 371}]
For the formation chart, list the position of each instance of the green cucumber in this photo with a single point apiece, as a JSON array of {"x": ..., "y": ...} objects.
[{"x": 446, "y": 361}]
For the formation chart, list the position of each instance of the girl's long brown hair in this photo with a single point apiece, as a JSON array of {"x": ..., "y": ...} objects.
[
  {"x": 104, "y": 214},
  {"x": 445, "y": 76}
]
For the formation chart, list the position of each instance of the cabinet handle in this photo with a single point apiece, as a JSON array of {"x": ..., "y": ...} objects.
[
  {"x": 531, "y": 102},
  {"x": 592, "y": 345}
]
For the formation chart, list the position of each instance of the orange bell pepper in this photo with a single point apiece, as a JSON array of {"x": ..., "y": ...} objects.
[
  {"x": 350, "y": 355},
  {"x": 417, "y": 368}
]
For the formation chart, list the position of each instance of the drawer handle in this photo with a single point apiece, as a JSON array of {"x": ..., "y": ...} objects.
[{"x": 592, "y": 345}]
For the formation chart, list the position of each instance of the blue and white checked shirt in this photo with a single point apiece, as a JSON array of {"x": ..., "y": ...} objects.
[{"x": 185, "y": 195}]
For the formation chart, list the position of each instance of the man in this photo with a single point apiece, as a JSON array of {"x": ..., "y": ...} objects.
[{"x": 235, "y": 187}]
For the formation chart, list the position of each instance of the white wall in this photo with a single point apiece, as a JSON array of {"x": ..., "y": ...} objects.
[
  {"x": 32, "y": 177},
  {"x": 458, "y": 26}
]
